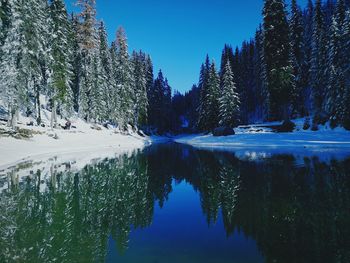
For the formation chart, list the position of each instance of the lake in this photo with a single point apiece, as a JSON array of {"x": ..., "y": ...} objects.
[{"x": 174, "y": 203}]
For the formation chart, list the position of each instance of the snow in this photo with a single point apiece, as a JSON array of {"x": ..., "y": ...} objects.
[
  {"x": 85, "y": 140},
  {"x": 259, "y": 140}
]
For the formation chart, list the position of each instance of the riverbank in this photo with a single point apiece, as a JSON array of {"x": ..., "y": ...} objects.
[
  {"x": 272, "y": 140},
  {"x": 83, "y": 139},
  {"x": 262, "y": 139}
]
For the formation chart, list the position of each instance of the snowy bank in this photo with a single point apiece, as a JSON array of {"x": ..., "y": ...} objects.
[
  {"x": 261, "y": 139},
  {"x": 86, "y": 139}
]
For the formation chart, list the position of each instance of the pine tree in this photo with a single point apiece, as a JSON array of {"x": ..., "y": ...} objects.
[
  {"x": 75, "y": 61},
  {"x": 97, "y": 102},
  {"x": 337, "y": 61},
  {"x": 319, "y": 60},
  {"x": 212, "y": 98},
  {"x": 60, "y": 91},
  {"x": 308, "y": 16},
  {"x": 276, "y": 55},
  {"x": 12, "y": 77},
  {"x": 329, "y": 8},
  {"x": 140, "y": 76},
  {"x": 296, "y": 38},
  {"x": 167, "y": 109},
  {"x": 229, "y": 100},
  {"x": 149, "y": 86},
  {"x": 35, "y": 61},
  {"x": 346, "y": 99},
  {"x": 156, "y": 102},
  {"x": 105, "y": 76},
  {"x": 203, "y": 86},
  {"x": 87, "y": 39},
  {"x": 4, "y": 20},
  {"x": 261, "y": 71},
  {"x": 124, "y": 81},
  {"x": 115, "y": 98},
  {"x": 227, "y": 56},
  {"x": 23, "y": 56}
]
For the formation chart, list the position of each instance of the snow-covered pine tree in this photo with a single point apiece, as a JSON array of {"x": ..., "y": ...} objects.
[
  {"x": 319, "y": 61},
  {"x": 142, "y": 98},
  {"x": 4, "y": 20},
  {"x": 167, "y": 96},
  {"x": 60, "y": 92},
  {"x": 99, "y": 85},
  {"x": 227, "y": 55},
  {"x": 87, "y": 38},
  {"x": 75, "y": 60},
  {"x": 203, "y": 104},
  {"x": 277, "y": 58},
  {"x": 260, "y": 71},
  {"x": 140, "y": 77},
  {"x": 149, "y": 72},
  {"x": 106, "y": 74},
  {"x": 296, "y": 53},
  {"x": 229, "y": 100},
  {"x": 212, "y": 98},
  {"x": 337, "y": 61},
  {"x": 124, "y": 80},
  {"x": 115, "y": 97},
  {"x": 307, "y": 58},
  {"x": 12, "y": 77},
  {"x": 156, "y": 113},
  {"x": 329, "y": 8},
  {"x": 247, "y": 82},
  {"x": 35, "y": 59},
  {"x": 346, "y": 99},
  {"x": 149, "y": 86}
]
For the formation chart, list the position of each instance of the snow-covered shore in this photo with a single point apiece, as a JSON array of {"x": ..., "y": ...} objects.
[
  {"x": 258, "y": 138},
  {"x": 85, "y": 140},
  {"x": 296, "y": 139}
]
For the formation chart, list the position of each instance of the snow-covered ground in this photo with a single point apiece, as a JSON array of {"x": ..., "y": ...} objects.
[
  {"x": 86, "y": 140},
  {"x": 259, "y": 139}
]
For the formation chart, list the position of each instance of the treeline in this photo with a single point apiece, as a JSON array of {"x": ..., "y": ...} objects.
[
  {"x": 297, "y": 65},
  {"x": 47, "y": 55}
]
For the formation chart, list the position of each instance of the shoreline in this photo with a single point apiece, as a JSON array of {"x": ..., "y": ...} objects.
[
  {"x": 78, "y": 142},
  {"x": 322, "y": 144},
  {"x": 270, "y": 140}
]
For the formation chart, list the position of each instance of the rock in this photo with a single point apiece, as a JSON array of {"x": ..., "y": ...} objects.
[
  {"x": 307, "y": 124},
  {"x": 287, "y": 126},
  {"x": 314, "y": 127},
  {"x": 96, "y": 127},
  {"x": 223, "y": 131}
]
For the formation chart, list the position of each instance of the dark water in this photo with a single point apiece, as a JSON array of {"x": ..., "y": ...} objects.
[{"x": 172, "y": 203}]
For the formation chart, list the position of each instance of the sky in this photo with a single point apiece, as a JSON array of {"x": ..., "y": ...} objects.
[{"x": 178, "y": 34}]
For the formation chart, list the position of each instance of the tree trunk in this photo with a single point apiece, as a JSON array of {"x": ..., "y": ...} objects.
[
  {"x": 286, "y": 116},
  {"x": 9, "y": 118},
  {"x": 38, "y": 119},
  {"x": 54, "y": 115},
  {"x": 13, "y": 116}
]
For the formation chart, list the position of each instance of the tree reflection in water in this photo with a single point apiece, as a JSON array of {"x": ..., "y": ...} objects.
[{"x": 295, "y": 213}]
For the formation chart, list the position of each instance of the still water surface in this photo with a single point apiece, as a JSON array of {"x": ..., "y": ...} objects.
[{"x": 173, "y": 203}]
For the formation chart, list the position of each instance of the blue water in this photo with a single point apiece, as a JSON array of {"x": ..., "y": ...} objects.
[
  {"x": 174, "y": 203},
  {"x": 180, "y": 233}
]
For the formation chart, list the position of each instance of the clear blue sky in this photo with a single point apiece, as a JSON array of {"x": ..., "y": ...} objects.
[{"x": 179, "y": 33}]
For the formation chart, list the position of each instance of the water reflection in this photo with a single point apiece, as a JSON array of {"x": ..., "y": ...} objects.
[{"x": 296, "y": 211}]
